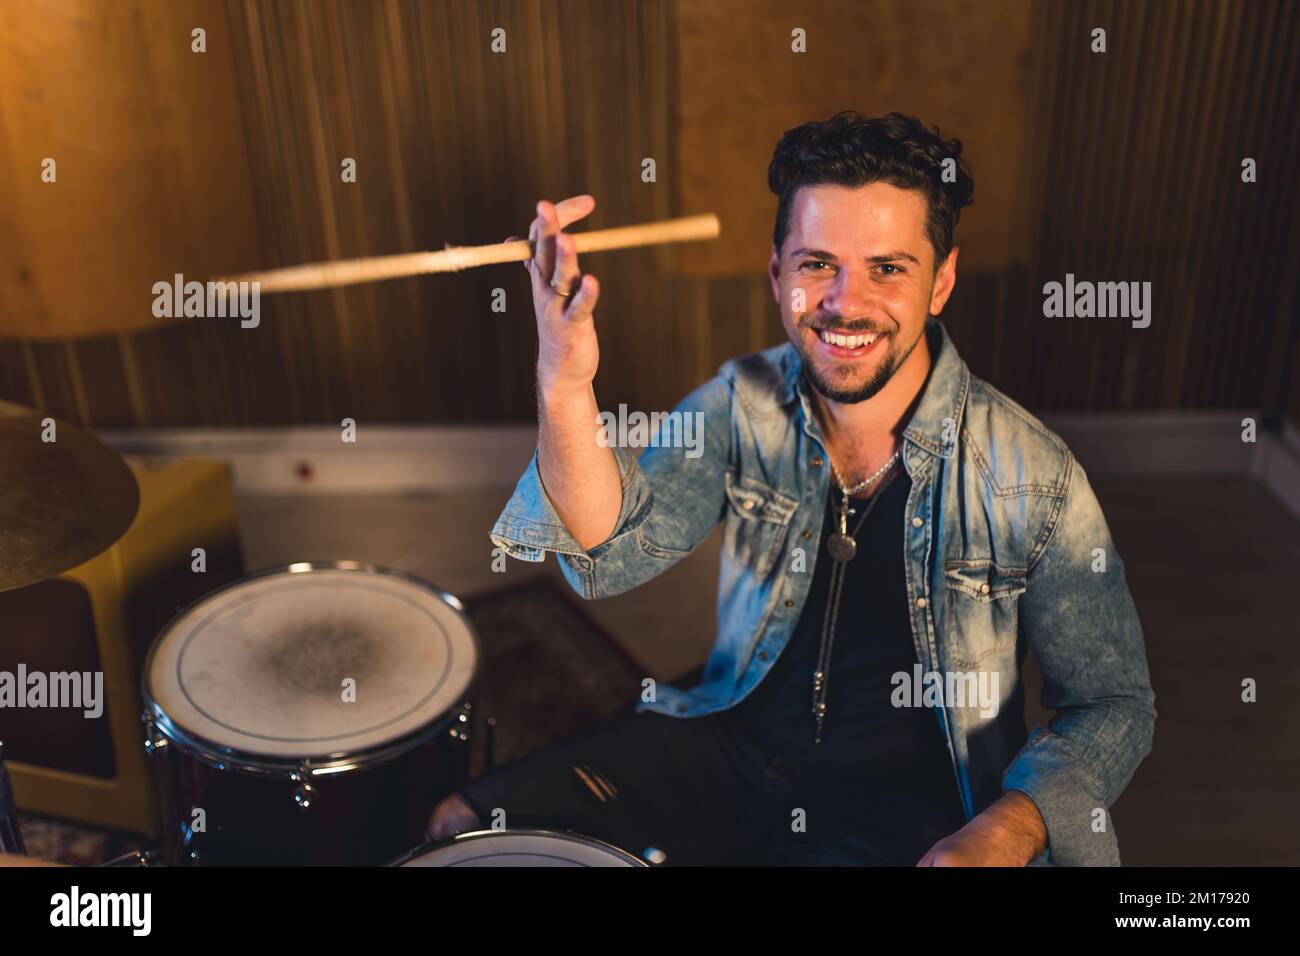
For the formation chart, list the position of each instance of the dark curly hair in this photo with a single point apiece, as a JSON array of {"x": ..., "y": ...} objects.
[{"x": 851, "y": 150}]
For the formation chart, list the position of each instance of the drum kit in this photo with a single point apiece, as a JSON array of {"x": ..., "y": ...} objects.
[
  {"x": 311, "y": 714},
  {"x": 529, "y": 848}
]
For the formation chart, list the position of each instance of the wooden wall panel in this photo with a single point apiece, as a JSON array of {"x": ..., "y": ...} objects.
[
  {"x": 148, "y": 140},
  {"x": 961, "y": 64},
  {"x": 107, "y": 394},
  {"x": 1118, "y": 166},
  {"x": 1138, "y": 173}
]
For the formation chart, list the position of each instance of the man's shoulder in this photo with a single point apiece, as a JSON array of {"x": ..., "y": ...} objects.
[
  {"x": 764, "y": 379},
  {"x": 1014, "y": 449}
]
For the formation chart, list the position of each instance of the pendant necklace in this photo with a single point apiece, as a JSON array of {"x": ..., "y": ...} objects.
[{"x": 840, "y": 545}]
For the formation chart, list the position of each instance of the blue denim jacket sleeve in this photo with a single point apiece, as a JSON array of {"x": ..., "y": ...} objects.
[
  {"x": 1084, "y": 631},
  {"x": 673, "y": 497}
]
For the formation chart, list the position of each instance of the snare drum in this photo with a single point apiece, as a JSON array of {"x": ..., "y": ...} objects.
[
  {"x": 525, "y": 848},
  {"x": 311, "y": 714}
]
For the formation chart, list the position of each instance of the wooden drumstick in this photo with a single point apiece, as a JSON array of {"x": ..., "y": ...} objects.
[{"x": 324, "y": 275}]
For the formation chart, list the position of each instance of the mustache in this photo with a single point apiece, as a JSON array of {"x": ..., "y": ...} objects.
[{"x": 818, "y": 323}]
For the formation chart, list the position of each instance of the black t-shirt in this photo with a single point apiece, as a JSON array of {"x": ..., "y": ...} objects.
[{"x": 898, "y": 752}]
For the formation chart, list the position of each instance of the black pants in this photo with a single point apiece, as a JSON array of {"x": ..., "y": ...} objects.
[{"x": 703, "y": 792}]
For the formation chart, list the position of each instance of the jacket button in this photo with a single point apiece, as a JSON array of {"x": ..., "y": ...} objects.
[
  {"x": 807, "y": 535},
  {"x": 817, "y": 461},
  {"x": 984, "y": 589},
  {"x": 918, "y": 521},
  {"x": 748, "y": 505},
  {"x": 789, "y": 603},
  {"x": 762, "y": 655},
  {"x": 921, "y": 602}
]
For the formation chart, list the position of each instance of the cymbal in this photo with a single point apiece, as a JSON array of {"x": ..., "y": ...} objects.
[{"x": 61, "y": 502}]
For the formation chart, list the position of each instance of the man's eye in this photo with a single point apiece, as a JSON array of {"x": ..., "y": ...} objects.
[
  {"x": 893, "y": 269},
  {"x": 814, "y": 262}
]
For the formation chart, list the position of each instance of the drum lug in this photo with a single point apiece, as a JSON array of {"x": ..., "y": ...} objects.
[
  {"x": 304, "y": 795},
  {"x": 154, "y": 742},
  {"x": 460, "y": 726}
]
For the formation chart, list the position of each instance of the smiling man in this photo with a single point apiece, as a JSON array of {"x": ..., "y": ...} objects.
[{"x": 887, "y": 515}]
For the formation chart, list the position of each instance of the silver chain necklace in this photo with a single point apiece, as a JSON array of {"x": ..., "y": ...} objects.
[{"x": 840, "y": 545}]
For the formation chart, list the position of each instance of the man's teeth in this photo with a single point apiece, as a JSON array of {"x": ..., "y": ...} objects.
[{"x": 847, "y": 341}]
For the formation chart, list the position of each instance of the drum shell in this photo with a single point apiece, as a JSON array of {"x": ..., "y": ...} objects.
[{"x": 363, "y": 816}]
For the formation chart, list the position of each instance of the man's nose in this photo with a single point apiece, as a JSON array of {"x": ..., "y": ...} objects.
[{"x": 850, "y": 295}]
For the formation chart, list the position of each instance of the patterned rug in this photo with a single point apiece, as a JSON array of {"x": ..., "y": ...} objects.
[
  {"x": 79, "y": 844},
  {"x": 547, "y": 671}
]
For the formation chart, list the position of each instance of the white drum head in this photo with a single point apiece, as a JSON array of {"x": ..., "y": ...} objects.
[
  {"x": 260, "y": 667},
  {"x": 522, "y": 848}
]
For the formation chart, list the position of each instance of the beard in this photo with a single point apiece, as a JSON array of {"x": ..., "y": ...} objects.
[{"x": 890, "y": 362}]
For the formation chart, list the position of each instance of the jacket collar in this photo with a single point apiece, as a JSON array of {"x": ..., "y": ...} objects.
[{"x": 937, "y": 421}]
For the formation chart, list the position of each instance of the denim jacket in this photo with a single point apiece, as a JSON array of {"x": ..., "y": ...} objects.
[{"x": 1005, "y": 548}]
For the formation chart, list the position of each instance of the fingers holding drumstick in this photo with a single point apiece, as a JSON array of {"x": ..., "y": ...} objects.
[
  {"x": 580, "y": 304},
  {"x": 572, "y": 295},
  {"x": 555, "y": 267},
  {"x": 563, "y": 299}
]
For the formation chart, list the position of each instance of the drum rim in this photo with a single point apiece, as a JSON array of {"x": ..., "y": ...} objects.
[
  {"x": 222, "y": 756},
  {"x": 472, "y": 835}
]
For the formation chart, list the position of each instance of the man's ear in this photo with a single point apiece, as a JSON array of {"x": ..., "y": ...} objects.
[
  {"x": 944, "y": 282},
  {"x": 774, "y": 273}
]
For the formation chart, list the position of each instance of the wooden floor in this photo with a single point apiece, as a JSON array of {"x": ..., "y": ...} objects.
[{"x": 1214, "y": 567}]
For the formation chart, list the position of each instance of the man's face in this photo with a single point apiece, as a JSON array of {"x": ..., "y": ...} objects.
[{"x": 855, "y": 282}]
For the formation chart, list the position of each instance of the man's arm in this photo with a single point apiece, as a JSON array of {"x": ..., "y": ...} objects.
[
  {"x": 1010, "y": 832},
  {"x": 582, "y": 497},
  {"x": 1084, "y": 630},
  {"x": 671, "y": 498},
  {"x": 1079, "y": 618},
  {"x": 580, "y": 475}
]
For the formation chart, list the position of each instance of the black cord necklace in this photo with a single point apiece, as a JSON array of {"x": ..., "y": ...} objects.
[{"x": 821, "y": 676}]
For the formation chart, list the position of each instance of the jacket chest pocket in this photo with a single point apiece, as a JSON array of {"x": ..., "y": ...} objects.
[
  {"x": 757, "y": 523},
  {"x": 982, "y": 599}
]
